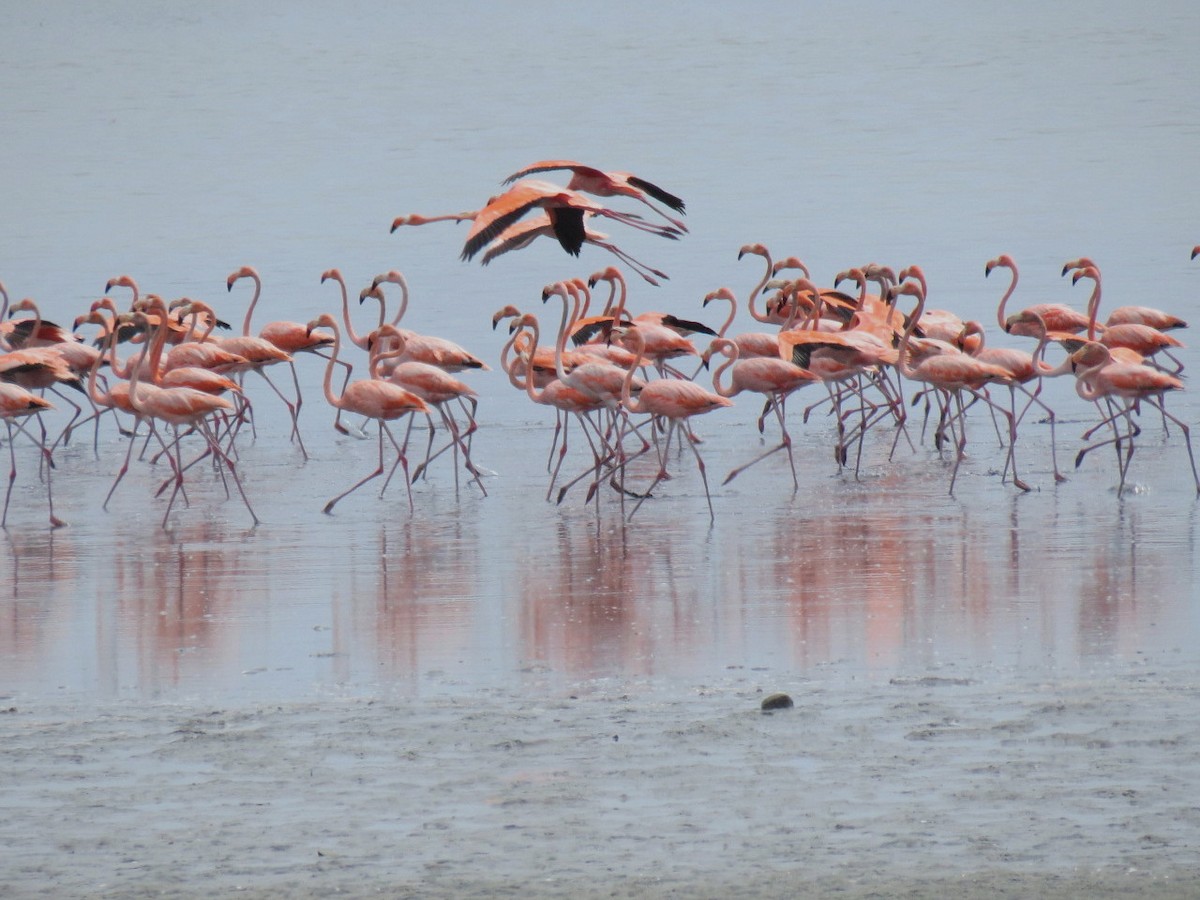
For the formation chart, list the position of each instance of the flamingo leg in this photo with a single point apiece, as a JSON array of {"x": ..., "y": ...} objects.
[{"x": 378, "y": 471}]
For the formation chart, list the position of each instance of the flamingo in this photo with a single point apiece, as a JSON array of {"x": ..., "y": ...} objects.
[
  {"x": 566, "y": 401},
  {"x": 565, "y": 207},
  {"x": 1138, "y": 337},
  {"x": 758, "y": 249},
  {"x": 1130, "y": 315},
  {"x": 262, "y": 351},
  {"x": 436, "y": 351},
  {"x": 25, "y": 334},
  {"x": 522, "y": 234},
  {"x": 1098, "y": 375},
  {"x": 436, "y": 387},
  {"x": 1023, "y": 368},
  {"x": 16, "y": 403},
  {"x": 42, "y": 368},
  {"x": 749, "y": 343},
  {"x": 675, "y": 400},
  {"x": 607, "y": 184},
  {"x": 182, "y": 406},
  {"x": 950, "y": 374},
  {"x": 290, "y": 337},
  {"x": 1056, "y": 316},
  {"x": 840, "y": 358},
  {"x": 375, "y": 399},
  {"x": 771, "y": 376}
]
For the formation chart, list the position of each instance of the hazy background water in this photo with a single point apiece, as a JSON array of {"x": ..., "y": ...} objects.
[{"x": 176, "y": 143}]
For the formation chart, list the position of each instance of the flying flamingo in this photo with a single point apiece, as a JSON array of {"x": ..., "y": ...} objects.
[
  {"x": 522, "y": 234},
  {"x": 16, "y": 403},
  {"x": 675, "y": 400},
  {"x": 1098, "y": 375},
  {"x": 565, "y": 207},
  {"x": 375, "y": 399},
  {"x": 607, "y": 184},
  {"x": 771, "y": 376}
]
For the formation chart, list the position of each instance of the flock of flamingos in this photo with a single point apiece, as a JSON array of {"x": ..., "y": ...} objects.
[{"x": 174, "y": 385}]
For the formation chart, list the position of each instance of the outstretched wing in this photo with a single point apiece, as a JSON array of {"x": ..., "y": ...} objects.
[{"x": 552, "y": 165}]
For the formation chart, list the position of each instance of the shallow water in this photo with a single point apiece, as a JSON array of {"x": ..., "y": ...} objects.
[{"x": 199, "y": 140}]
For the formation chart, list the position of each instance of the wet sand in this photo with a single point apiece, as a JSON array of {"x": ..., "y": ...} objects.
[{"x": 943, "y": 784}]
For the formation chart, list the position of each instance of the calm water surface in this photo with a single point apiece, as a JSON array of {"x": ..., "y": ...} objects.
[{"x": 177, "y": 144}]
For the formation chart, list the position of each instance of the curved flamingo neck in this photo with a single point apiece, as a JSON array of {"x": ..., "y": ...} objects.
[
  {"x": 861, "y": 302},
  {"x": 726, "y": 295},
  {"x": 253, "y": 303},
  {"x": 612, "y": 295},
  {"x": 354, "y": 337},
  {"x": 110, "y": 342},
  {"x": 156, "y": 335},
  {"x": 639, "y": 340},
  {"x": 903, "y": 366},
  {"x": 125, "y": 281},
  {"x": 758, "y": 289},
  {"x": 729, "y": 350},
  {"x": 327, "y": 385},
  {"x": 530, "y": 388},
  {"x": 403, "y": 308},
  {"x": 1039, "y": 351},
  {"x": 381, "y": 350},
  {"x": 1093, "y": 304},
  {"x": 569, "y": 297},
  {"x": 1012, "y": 287}
]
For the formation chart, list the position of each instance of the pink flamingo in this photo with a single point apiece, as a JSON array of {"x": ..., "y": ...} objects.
[
  {"x": 607, "y": 184},
  {"x": 565, "y": 207},
  {"x": 1098, "y": 375},
  {"x": 436, "y": 387},
  {"x": 1131, "y": 315},
  {"x": 675, "y": 400},
  {"x": 183, "y": 406},
  {"x": 375, "y": 399},
  {"x": 773, "y": 377},
  {"x": 435, "y": 351},
  {"x": 1056, "y": 316},
  {"x": 1143, "y": 339},
  {"x": 17, "y": 403},
  {"x": 951, "y": 374},
  {"x": 522, "y": 234}
]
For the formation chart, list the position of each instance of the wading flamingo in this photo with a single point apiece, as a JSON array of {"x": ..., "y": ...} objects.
[
  {"x": 675, "y": 400},
  {"x": 375, "y": 399}
]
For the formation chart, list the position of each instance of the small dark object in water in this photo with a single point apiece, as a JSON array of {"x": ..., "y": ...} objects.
[{"x": 777, "y": 701}]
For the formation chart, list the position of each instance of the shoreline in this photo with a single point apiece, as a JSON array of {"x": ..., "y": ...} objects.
[{"x": 912, "y": 787}]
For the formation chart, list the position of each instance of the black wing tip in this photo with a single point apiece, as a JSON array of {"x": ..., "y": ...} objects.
[
  {"x": 688, "y": 325},
  {"x": 658, "y": 194}
]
